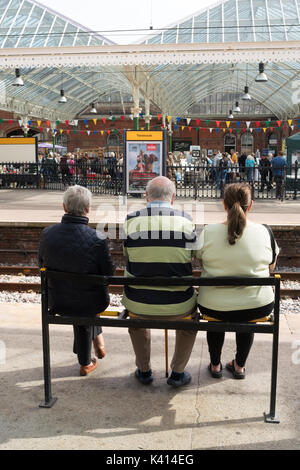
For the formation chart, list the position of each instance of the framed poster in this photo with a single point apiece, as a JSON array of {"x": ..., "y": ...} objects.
[{"x": 144, "y": 159}]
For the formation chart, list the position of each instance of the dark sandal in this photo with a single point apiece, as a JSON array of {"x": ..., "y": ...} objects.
[
  {"x": 216, "y": 375},
  {"x": 235, "y": 374}
]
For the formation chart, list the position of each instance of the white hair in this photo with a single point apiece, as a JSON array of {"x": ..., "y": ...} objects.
[
  {"x": 77, "y": 200},
  {"x": 160, "y": 189}
]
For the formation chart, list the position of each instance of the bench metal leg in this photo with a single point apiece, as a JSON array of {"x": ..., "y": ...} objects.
[
  {"x": 49, "y": 400},
  {"x": 271, "y": 416}
]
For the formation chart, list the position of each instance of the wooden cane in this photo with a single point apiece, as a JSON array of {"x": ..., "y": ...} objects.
[{"x": 166, "y": 353}]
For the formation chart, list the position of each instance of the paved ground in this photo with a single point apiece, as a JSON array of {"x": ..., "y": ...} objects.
[
  {"x": 41, "y": 206},
  {"x": 110, "y": 410}
]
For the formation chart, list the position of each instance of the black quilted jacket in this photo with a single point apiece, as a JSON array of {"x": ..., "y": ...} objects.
[{"x": 72, "y": 246}]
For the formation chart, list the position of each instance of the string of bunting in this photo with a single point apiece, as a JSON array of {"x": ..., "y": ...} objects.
[{"x": 201, "y": 125}]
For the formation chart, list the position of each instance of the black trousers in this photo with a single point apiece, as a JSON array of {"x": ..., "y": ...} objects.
[
  {"x": 244, "y": 341},
  {"x": 83, "y": 337}
]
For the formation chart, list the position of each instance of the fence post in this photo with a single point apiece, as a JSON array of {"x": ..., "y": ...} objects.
[{"x": 296, "y": 180}]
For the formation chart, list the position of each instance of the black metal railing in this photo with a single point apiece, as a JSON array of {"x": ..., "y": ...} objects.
[{"x": 191, "y": 181}]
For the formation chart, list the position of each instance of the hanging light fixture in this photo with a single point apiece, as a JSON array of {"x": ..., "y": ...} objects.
[
  {"x": 62, "y": 99},
  {"x": 237, "y": 109},
  {"x": 18, "y": 80},
  {"x": 93, "y": 110},
  {"x": 261, "y": 77},
  {"x": 230, "y": 115},
  {"x": 246, "y": 95}
]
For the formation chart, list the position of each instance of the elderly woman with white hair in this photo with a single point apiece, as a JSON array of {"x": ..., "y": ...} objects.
[{"x": 72, "y": 246}]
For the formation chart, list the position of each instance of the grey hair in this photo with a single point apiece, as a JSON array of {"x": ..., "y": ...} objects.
[
  {"x": 77, "y": 200},
  {"x": 160, "y": 189}
]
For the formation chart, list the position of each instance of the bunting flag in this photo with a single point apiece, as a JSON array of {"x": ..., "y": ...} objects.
[
  {"x": 29, "y": 123},
  {"x": 257, "y": 129},
  {"x": 197, "y": 122},
  {"x": 10, "y": 121},
  {"x": 227, "y": 123},
  {"x": 102, "y": 132},
  {"x": 190, "y": 128},
  {"x": 61, "y": 131},
  {"x": 251, "y": 129},
  {"x": 278, "y": 123},
  {"x": 88, "y": 132},
  {"x": 39, "y": 123},
  {"x": 20, "y": 122},
  {"x": 169, "y": 118},
  {"x": 217, "y": 129},
  {"x": 267, "y": 123},
  {"x": 178, "y": 120},
  {"x": 122, "y": 118},
  {"x": 271, "y": 129},
  {"x": 207, "y": 123},
  {"x": 108, "y": 132},
  {"x": 182, "y": 127},
  {"x": 67, "y": 123},
  {"x": 248, "y": 124},
  {"x": 57, "y": 123},
  {"x": 95, "y": 121},
  {"x": 159, "y": 117},
  {"x": 290, "y": 122},
  {"x": 218, "y": 123},
  {"x": 48, "y": 123},
  {"x": 68, "y": 131},
  {"x": 292, "y": 127},
  {"x": 104, "y": 120},
  {"x": 210, "y": 129},
  {"x": 257, "y": 124},
  {"x": 264, "y": 129},
  {"x": 230, "y": 130},
  {"x": 238, "y": 124},
  {"x": 85, "y": 121},
  {"x": 188, "y": 121},
  {"x": 224, "y": 129},
  {"x": 76, "y": 122},
  {"x": 175, "y": 127}
]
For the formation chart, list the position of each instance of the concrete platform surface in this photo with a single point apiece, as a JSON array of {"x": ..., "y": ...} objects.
[
  {"x": 46, "y": 206},
  {"x": 111, "y": 410}
]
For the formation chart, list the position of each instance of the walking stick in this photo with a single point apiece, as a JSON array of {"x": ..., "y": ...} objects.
[{"x": 166, "y": 353}]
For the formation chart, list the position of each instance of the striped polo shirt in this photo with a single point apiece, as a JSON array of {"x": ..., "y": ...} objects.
[{"x": 159, "y": 242}]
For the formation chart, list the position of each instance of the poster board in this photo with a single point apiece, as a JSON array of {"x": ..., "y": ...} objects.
[
  {"x": 18, "y": 150},
  {"x": 144, "y": 152}
]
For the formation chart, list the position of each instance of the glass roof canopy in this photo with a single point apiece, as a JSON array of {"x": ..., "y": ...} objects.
[{"x": 28, "y": 24}]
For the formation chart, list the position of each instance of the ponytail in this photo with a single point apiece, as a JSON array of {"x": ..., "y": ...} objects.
[
  {"x": 237, "y": 199},
  {"x": 236, "y": 223}
]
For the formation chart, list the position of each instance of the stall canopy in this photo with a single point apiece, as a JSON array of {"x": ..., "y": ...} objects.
[{"x": 207, "y": 58}]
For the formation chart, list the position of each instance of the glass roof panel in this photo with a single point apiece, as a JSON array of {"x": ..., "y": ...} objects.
[
  {"x": 230, "y": 20},
  {"x": 275, "y": 18},
  {"x": 245, "y": 21},
  {"x": 291, "y": 19},
  {"x": 185, "y": 35},
  {"x": 215, "y": 24},
  {"x": 69, "y": 36},
  {"x": 200, "y": 28},
  {"x": 261, "y": 20}
]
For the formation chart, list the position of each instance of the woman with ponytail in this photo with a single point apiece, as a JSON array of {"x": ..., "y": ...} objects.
[{"x": 235, "y": 248}]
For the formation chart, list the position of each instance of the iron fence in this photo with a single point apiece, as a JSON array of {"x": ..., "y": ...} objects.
[{"x": 194, "y": 181}]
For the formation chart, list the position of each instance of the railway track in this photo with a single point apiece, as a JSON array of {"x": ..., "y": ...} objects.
[{"x": 35, "y": 287}]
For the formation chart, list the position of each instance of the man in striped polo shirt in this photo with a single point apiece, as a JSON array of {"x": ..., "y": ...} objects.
[{"x": 158, "y": 242}]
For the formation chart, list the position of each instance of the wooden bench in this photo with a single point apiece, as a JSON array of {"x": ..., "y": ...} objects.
[{"x": 111, "y": 318}]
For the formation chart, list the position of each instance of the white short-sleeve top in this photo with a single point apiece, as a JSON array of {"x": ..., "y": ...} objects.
[{"x": 249, "y": 257}]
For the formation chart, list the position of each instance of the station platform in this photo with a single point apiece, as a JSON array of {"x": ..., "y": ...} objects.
[
  {"x": 111, "y": 410},
  {"x": 45, "y": 207}
]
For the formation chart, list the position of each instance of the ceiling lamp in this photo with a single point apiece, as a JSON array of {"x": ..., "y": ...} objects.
[
  {"x": 237, "y": 109},
  {"x": 230, "y": 115},
  {"x": 93, "y": 110},
  {"x": 63, "y": 99},
  {"x": 18, "y": 80},
  {"x": 246, "y": 96},
  {"x": 261, "y": 77}
]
